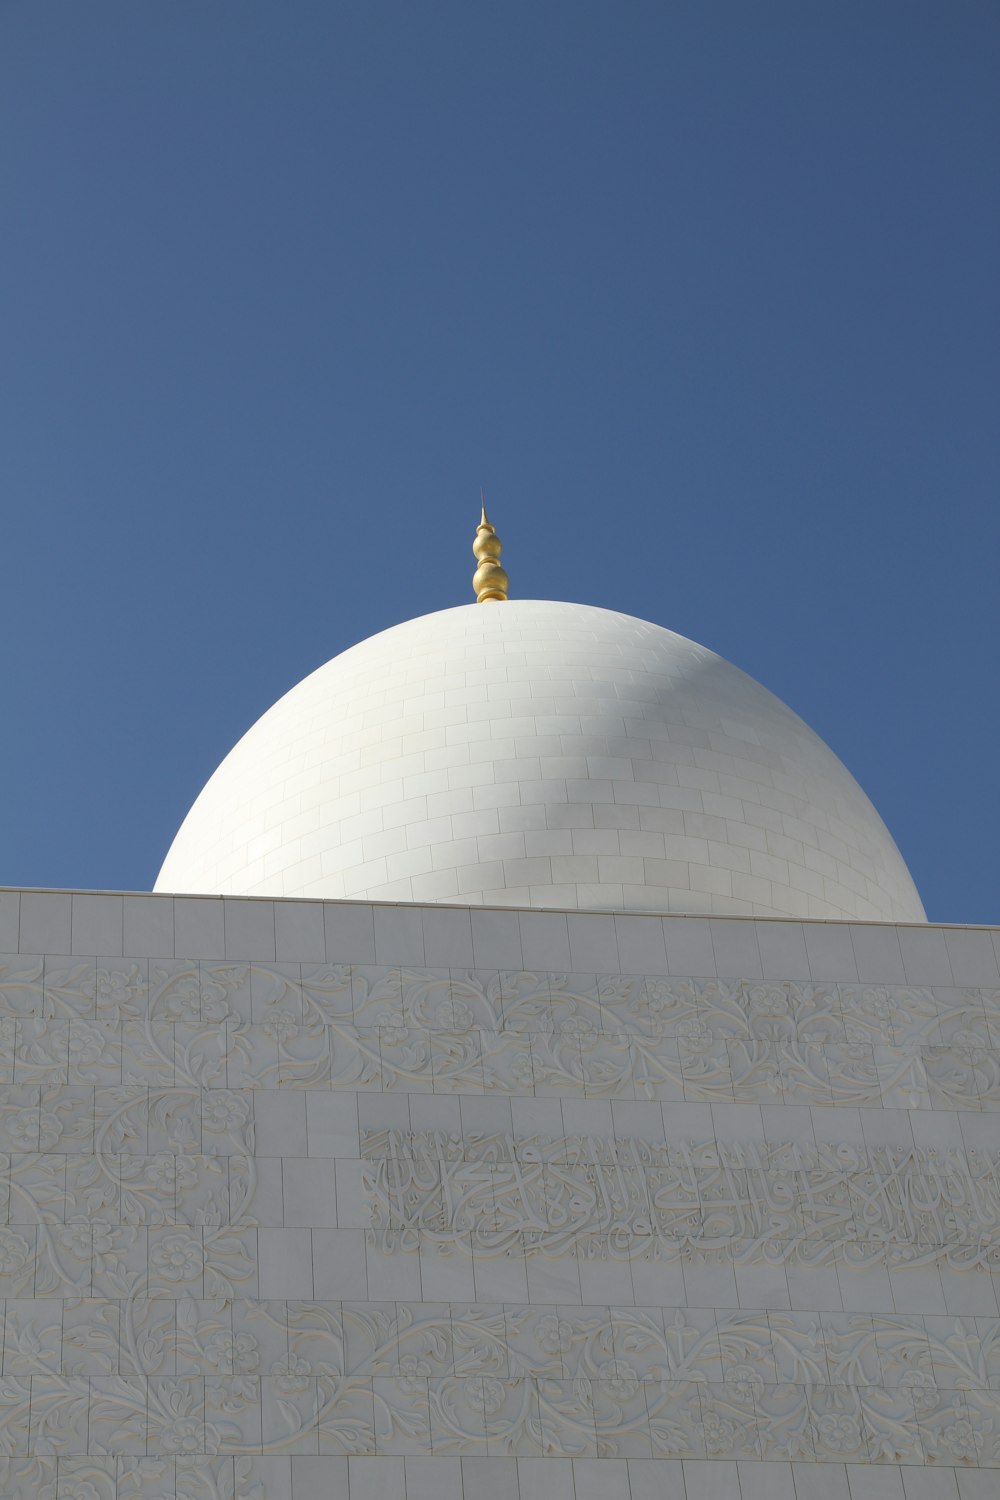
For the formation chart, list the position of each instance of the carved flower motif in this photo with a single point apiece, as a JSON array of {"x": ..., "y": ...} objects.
[
  {"x": 177, "y": 1257},
  {"x": 113, "y": 987},
  {"x": 176, "y": 996},
  {"x": 963, "y": 1440},
  {"x": 78, "y": 1489},
  {"x": 188, "y": 1435},
  {"x": 486, "y": 1391},
  {"x": 696, "y": 1034},
  {"x": 878, "y": 1002},
  {"x": 393, "y": 1034},
  {"x": 13, "y": 1251},
  {"x": 720, "y": 1433},
  {"x": 412, "y": 1370},
  {"x": 118, "y": 993},
  {"x": 767, "y": 1000},
  {"x": 214, "y": 999},
  {"x": 660, "y": 999},
  {"x": 619, "y": 1377},
  {"x": 86, "y": 1043},
  {"x": 168, "y": 1172},
  {"x": 22, "y": 1128},
  {"x": 282, "y": 1026},
  {"x": 453, "y": 1015},
  {"x": 747, "y": 1380},
  {"x": 922, "y": 1387},
  {"x": 222, "y": 1110},
  {"x": 49, "y": 1130},
  {"x": 839, "y": 1432},
  {"x": 293, "y": 1374},
  {"x": 550, "y": 1330},
  {"x": 227, "y": 1351}
]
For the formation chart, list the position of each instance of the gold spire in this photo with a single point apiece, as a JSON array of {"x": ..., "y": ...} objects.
[{"x": 489, "y": 580}]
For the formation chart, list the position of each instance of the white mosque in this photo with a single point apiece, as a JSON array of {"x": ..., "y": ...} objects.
[{"x": 533, "y": 1077}]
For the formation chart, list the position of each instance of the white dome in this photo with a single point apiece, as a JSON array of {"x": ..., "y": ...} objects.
[{"x": 537, "y": 754}]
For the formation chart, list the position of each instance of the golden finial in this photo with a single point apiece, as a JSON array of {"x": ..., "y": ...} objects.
[{"x": 489, "y": 580}]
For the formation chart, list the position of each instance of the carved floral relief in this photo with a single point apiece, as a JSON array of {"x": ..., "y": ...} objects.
[{"x": 140, "y": 1360}]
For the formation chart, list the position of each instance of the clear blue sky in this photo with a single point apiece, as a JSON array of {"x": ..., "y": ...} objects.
[{"x": 705, "y": 294}]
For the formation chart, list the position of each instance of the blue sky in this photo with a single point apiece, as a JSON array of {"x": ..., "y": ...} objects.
[{"x": 705, "y": 294}]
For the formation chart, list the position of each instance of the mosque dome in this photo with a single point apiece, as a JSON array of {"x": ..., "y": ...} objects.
[{"x": 542, "y": 755}]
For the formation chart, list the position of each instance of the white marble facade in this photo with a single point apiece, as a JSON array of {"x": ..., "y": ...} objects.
[{"x": 332, "y": 1201}]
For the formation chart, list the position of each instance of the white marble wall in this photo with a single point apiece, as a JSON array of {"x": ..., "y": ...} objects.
[{"x": 389, "y": 1203}]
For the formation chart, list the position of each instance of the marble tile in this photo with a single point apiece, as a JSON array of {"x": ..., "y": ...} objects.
[{"x": 45, "y": 922}]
